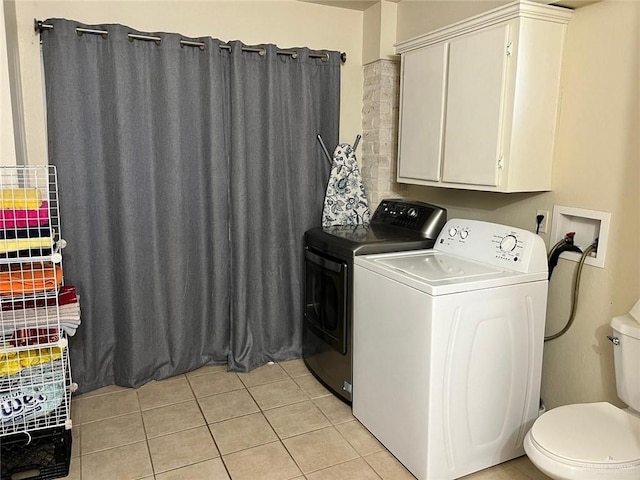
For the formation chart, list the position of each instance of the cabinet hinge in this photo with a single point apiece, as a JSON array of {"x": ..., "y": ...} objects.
[
  {"x": 509, "y": 45},
  {"x": 500, "y": 162}
]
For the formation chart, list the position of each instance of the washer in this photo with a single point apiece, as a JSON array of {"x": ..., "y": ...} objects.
[
  {"x": 447, "y": 347},
  {"x": 396, "y": 225}
]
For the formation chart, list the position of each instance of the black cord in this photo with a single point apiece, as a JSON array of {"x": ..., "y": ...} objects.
[{"x": 539, "y": 219}]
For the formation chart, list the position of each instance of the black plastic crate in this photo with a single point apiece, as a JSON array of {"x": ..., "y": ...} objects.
[{"x": 46, "y": 456}]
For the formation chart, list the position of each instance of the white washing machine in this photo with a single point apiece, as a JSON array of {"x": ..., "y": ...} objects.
[{"x": 447, "y": 347}]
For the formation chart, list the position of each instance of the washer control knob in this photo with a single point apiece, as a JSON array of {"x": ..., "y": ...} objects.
[
  {"x": 412, "y": 212},
  {"x": 508, "y": 243},
  {"x": 464, "y": 234},
  {"x": 453, "y": 231}
]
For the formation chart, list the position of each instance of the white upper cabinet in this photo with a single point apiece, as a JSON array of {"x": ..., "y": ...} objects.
[
  {"x": 424, "y": 73},
  {"x": 477, "y": 68},
  {"x": 479, "y": 101}
]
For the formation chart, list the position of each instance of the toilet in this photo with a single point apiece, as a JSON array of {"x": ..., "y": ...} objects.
[{"x": 596, "y": 441}]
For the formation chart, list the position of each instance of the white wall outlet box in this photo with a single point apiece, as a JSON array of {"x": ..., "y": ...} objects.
[
  {"x": 587, "y": 225},
  {"x": 545, "y": 221}
]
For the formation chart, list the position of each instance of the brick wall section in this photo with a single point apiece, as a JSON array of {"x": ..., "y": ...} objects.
[{"x": 381, "y": 100}]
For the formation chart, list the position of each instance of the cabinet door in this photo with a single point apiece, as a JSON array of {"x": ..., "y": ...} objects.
[
  {"x": 477, "y": 70},
  {"x": 422, "y": 113}
]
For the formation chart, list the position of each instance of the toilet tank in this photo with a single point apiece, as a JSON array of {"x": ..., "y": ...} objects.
[{"x": 626, "y": 356}]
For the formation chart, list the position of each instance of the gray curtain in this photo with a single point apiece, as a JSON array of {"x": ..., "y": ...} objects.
[
  {"x": 158, "y": 161},
  {"x": 278, "y": 177}
]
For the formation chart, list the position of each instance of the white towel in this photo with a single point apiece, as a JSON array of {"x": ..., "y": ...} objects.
[{"x": 66, "y": 316}]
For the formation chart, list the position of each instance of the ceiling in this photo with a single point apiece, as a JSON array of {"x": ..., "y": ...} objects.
[
  {"x": 350, "y": 4},
  {"x": 364, "y": 4}
]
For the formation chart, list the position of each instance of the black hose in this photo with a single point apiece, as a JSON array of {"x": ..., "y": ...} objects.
[
  {"x": 576, "y": 291},
  {"x": 557, "y": 251},
  {"x": 567, "y": 239}
]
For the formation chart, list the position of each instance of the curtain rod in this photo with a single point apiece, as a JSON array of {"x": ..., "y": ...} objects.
[{"x": 40, "y": 26}]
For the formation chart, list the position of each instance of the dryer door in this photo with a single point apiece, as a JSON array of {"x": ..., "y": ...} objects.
[{"x": 325, "y": 298}]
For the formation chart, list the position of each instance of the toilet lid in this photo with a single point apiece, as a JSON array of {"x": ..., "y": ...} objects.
[{"x": 589, "y": 433}]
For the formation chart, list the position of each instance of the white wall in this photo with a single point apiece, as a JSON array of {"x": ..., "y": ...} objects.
[
  {"x": 596, "y": 163},
  {"x": 596, "y": 166},
  {"x": 7, "y": 142},
  {"x": 418, "y": 17},
  {"x": 371, "y": 32},
  {"x": 379, "y": 32},
  {"x": 286, "y": 23}
]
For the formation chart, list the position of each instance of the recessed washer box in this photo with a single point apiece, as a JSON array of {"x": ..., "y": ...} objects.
[{"x": 587, "y": 225}]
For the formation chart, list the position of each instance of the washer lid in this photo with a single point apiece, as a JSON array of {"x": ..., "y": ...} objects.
[
  {"x": 435, "y": 267},
  {"x": 437, "y": 273},
  {"x": 597, "y": 433}
]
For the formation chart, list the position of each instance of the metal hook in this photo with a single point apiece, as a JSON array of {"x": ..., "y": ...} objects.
[
  {"x": 324, "y": 149},
  {"x": 355, "y": 143}
]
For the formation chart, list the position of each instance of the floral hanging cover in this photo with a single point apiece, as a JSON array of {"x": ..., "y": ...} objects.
[{"x": 345, "y": 202}]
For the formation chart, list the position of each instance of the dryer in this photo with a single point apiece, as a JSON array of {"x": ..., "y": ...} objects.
[
  {"x": 396, "y": 225},
  {"x": 447, "y": 347}
]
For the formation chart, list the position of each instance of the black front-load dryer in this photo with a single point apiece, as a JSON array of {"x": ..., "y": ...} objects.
[{"x": 396, "y": 225}]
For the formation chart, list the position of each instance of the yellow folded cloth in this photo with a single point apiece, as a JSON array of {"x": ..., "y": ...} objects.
[
  {"x": 12, "y": 362},
  {"x": 16, "y": 244},
  {"x": 20, "y": 198}
]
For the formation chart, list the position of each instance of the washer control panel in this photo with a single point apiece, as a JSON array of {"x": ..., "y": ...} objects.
[{"x": 498, "y": 245}]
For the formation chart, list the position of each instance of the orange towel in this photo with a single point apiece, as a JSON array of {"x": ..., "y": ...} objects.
[{"x": 30, "y": 279}]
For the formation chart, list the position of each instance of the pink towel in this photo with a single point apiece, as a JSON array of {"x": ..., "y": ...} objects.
[{"x": 25, "y": 218}]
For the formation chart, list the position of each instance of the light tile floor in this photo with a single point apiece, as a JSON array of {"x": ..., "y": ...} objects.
[{"x": 275, "y": 422}]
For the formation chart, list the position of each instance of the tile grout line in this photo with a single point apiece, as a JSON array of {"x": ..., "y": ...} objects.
[
  {"x": 529, "y": 475},
  {"x": 262, "y": 410},
  {"x": 334, "y": 426},
  {"x": 215, "y": 444},
  {"x": 307, "y": 398},
  {"x": 331, "y": 425},
  {"x": 272, "y": 427}
]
